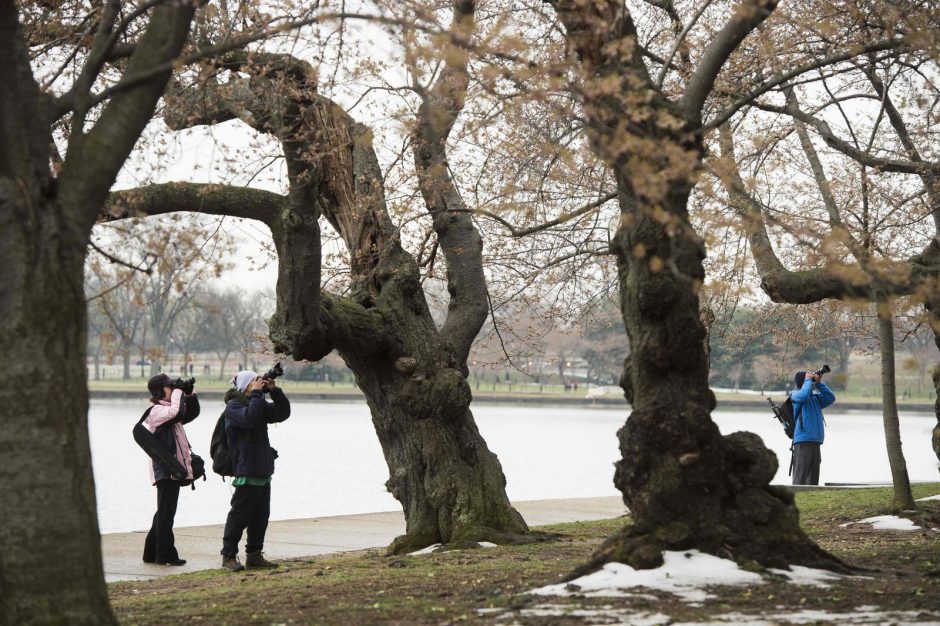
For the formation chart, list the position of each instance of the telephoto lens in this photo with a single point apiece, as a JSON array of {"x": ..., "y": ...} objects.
[{"x": 274, "y": 372}]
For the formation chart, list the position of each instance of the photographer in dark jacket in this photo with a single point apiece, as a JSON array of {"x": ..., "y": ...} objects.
[
  {"x": 247, "y": 415},
  {"x": 172, "y": 407}
]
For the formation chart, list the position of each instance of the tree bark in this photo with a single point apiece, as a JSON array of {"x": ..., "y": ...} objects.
[
  {"x": 685, "y": 484},
  {"x": 903, "y": 499},
  {"x": 50, "y": 548}
]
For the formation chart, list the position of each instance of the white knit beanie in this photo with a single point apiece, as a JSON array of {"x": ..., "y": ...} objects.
[{"x": 241, "y": 379}]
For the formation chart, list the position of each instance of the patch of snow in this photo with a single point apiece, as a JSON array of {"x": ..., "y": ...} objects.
[
  {"x": 936, "y": 497},
  {"x": 682, "y": 574},
  {"x": 594, "y": 615},
  {"x": 800, "y": 575},
  {"x": 431, "y": 548},
  {"x": 886, "y": 522}
]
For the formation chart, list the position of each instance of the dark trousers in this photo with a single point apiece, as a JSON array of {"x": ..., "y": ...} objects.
[
  {"x": 251, "y": 507},
  {"x": 160, "y": 545},
  {"x": 806, "y": 460}
]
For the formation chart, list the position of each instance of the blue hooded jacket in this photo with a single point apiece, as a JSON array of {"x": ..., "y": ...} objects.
[{"x": 808, "y": 404}]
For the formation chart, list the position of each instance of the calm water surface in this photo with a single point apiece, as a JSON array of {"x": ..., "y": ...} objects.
[{"x": 331, "y": 462}]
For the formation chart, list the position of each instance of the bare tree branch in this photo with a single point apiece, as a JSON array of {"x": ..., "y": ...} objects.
[
  {"x": 517, "y": 232},
  {"x": 165, "y": 198},
  {"x": 457, "y": 236},
  {"x": 680, "y": 38},
  {"x": 865, "y": 158},
  {"x": 784, "y": 77},
  {"x": 145, "y": 266},
  {"x": 747, "y": 16},
  {"x": 84, "y": 180},
  {"x": 805, "y": 286}
]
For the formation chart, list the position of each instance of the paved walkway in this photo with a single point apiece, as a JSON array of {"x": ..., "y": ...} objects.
[{"x": 200, "y": 545}]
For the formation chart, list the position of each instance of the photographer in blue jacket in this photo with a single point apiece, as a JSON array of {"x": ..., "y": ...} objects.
[{"x": 811, "y": 396}]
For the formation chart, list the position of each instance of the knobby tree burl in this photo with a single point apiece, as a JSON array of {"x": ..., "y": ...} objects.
[
  {"x": 413, "y": 374},
  {"x": 686, "y": 485}
]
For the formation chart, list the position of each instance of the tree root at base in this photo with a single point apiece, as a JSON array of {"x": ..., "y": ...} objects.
[{"x": 644, "y": 550}]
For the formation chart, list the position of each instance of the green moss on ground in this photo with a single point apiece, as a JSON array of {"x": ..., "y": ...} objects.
[{"x": 453, "y": 587}]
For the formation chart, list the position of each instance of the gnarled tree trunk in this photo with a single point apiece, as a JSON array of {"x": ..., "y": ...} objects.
[
  {"x": 686, "y": 485},
  {"x": 450, "y": 484}
]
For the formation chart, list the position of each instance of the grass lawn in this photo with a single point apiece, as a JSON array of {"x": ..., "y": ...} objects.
[{"x": 488, "y": 586}]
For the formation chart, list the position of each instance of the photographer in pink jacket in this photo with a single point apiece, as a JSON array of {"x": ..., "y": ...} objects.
[{"x": 174, "y": 404}]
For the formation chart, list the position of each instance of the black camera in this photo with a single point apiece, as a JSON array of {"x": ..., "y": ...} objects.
[
  {"x": 274, "y": 372},
  {"x": 822, "y": 370},
  {"x": 186, "y": 385}
]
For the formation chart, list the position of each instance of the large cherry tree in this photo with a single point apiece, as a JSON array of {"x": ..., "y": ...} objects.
[
  {"x": 647, "y": 114},
  {"x": 412, "y": 372}
]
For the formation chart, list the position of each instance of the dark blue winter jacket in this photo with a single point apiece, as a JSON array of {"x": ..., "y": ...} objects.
[
  {"x": 246, "y": 426},
  {"x": 808, "y": 403}
]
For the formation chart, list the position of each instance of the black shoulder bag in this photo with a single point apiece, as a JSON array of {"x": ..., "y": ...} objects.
[{"x": 157, "y": 451}]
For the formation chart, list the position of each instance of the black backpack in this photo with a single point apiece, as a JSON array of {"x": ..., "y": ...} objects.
[
  {"x": 784, "y": 414},
  {"x": 218, "y": 449}
]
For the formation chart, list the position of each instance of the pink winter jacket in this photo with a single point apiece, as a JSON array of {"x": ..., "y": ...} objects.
[{"x": 162, "y": 413}]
